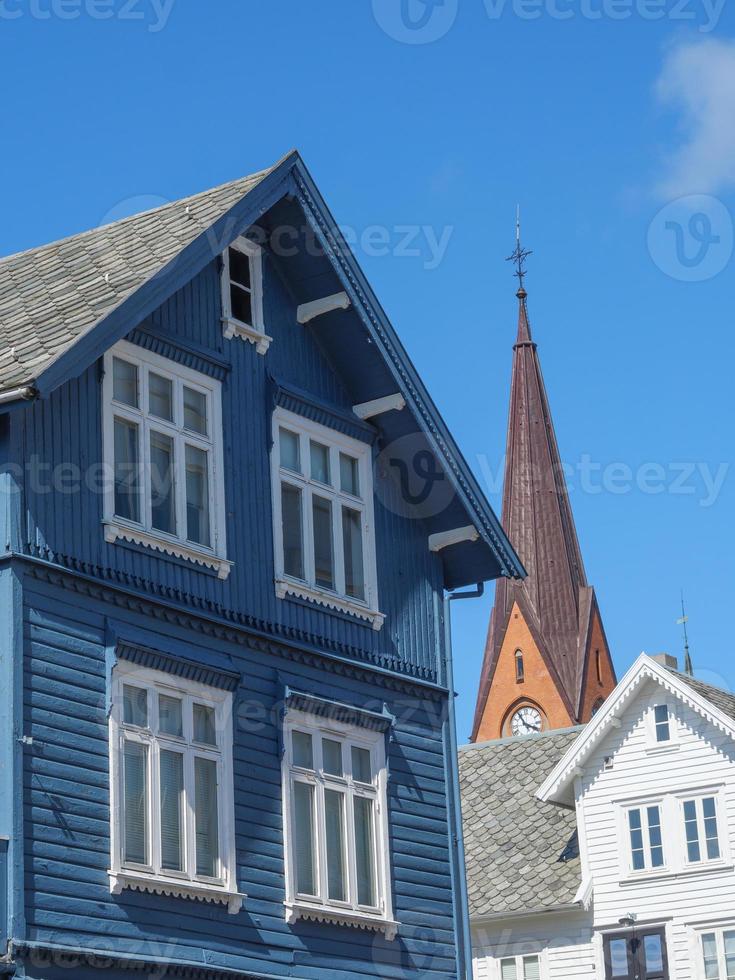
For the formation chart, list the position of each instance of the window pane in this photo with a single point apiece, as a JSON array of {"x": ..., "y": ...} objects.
[
  {"x": 205, "y": 730},
  {"x": 162, "y": 483},
  {"x": 160, "y": 397},
  {"x": 332, "y": 757},
  {"x": 729, "y": 943},
  {"x": 205, "y": 812},
  {"x": 124, "y": 382},
  {"x": 709, "y": 811},
  {"x": 135, "y": 706},
  {"x": 135, "y": 802},
  {"x": 349, "y": 474},
  {"x": 197, "y": 496},
  {"x": 531, "y": 968},
  {"x": 361, "y": 768},
  {"x": 663, "y": 733},
  {"x": 654, "y": 954},
  {"x": 619, "y": 957},
  {"x": 241, "y": 302},
  {"x": 364, "y": 851},
  {"x": 352, "y": 541},
  {"x": 169, "y": 716},
  {"x": 303, "y": 754},
  {"x": 709, "y": 950},
  {"x": 323, "y": 552},
  {"x": 303, "y": 834},
  {"x": 293, "y": 551},
  {"x": 172, "y": 811},
  {"x": 334, "y": 819},
  {"x": 195, "y": 411},
  {"x": 508, "y": 970},
  {"x": 654, "y": 834},
  {"x": 239, "y": 267},
  {"x": 692, "y": 831},
  {"x": 290, "y": 453},
  {"x": 636, "y": 840},
  {"x": 127, "y": 486},
  {"x": 320, "y": 462}
]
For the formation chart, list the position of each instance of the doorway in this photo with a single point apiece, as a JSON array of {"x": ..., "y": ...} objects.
[{"x": 638, "y": 955}]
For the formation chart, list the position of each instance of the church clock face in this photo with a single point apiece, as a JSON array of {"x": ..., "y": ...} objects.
[{"x": 526, "y": 721}]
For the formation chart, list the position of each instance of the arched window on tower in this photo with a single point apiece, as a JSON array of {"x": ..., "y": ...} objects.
[
  {"x": 520, "y": 668},
  {"x": 598, "y": 666},
  {"x": 596, "y": 706}
]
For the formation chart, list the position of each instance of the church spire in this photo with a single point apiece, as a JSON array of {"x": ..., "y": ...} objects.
[{"x": 552, "y": 612}]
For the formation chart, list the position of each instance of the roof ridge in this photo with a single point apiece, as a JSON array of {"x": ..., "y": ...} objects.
[
  {"x": 520, "y": 739},
  {"x": 259, "y": 175}
]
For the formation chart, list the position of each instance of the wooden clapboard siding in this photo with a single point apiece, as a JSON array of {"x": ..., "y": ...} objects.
[
  {"x": 66, "y": 805},
  {"x": 66, "y": 429},
  {"x": 563, "y": 941}
]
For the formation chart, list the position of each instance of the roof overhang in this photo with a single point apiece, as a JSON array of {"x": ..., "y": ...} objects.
[
  {"x": 559, "y": 785},
  {"x": 360, "y": 342}
]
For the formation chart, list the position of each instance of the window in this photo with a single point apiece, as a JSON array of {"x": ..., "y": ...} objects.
[
  {"x": 662, "y": 724},
  {"x": 242, "y": 294},
  {"x": 646, "y": 842},
  {"x": 718, "y": 954},
  {"x": 163, "y": 444},
  {"x": 701, "y": 830},
  {"x": 323, "y": 517},
  {"x": 336, "y": 823},
  {"x": 598, "y": 666},
  {"x": 520, "y": 669},
  {"x": 171, "y": 787},
  {"x": 520, "y": 968}
]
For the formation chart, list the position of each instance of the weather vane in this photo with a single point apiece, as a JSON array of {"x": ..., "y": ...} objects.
[
  {"x": 520, "y": 254},
  {"x": 688, "y": 666}
]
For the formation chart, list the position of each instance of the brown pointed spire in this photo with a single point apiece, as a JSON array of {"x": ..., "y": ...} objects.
[{"x": 554, "y": 600}]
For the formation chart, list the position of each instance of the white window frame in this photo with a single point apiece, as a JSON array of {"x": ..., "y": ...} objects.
[
  {"x": 520, "y": 963},
  {"x": 143, "y": 532},
  {"x": 307, "y": 588},
  {"x": 625, "y": 837},
  {"x": 654, "y": 746},
  {"x": 253, "y": 332},
  {"x": 321, "y": 908},
  {"x": 150, "y": 877},
  {"x": 697, "y": 947},
  {"x": 697, "y": 796}
]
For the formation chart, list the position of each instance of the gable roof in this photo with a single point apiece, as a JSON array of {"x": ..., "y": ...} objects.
[
  {"x": 521, "y": 853},
  {"x": 52, "y": 295},
  {"x": 63, "y": 305},
  {"x": 712, "y": 703}
]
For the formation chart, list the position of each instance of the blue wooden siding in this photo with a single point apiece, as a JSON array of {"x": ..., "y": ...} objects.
[
  {"x": 66, "y": 428},
  {"x": 66, "y": 806}
]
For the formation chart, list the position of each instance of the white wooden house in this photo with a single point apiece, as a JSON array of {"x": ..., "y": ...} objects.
[{"x": 607, "y": 851}]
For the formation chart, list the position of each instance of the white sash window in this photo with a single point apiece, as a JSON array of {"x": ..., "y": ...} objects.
[
  {"x": 323, "y": 517},
  {"x": 163, "y": 450},
  {"x": 336, "y": 829},
  {"x": 171, "y": 787}
]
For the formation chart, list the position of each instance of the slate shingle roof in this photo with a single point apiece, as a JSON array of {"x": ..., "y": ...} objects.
[
  {"x": 522, "y": 854},
  {"x": 721, "y": 699},
  {"x": 51, "y": 295}
]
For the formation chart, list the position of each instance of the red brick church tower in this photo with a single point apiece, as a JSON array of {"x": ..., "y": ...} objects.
[{"x": 547, "y": 664}]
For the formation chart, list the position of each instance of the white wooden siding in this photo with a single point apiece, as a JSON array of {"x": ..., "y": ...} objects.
[{"x": 563, "y": 941}]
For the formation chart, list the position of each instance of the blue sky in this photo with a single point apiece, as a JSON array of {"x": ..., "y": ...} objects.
[{"x": 610, "y": 121}]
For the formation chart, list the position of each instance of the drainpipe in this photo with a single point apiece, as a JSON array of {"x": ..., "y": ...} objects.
[{"x": 451, "y": 761}]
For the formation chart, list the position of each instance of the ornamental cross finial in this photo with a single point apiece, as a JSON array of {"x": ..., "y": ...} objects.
[{"x": 520, "y": 254}]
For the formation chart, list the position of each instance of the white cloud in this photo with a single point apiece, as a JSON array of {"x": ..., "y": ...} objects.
[{"x": 697, "y": 81}]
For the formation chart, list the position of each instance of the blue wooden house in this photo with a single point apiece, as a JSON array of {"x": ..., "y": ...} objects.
[{"x": 230, "y": 519}]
